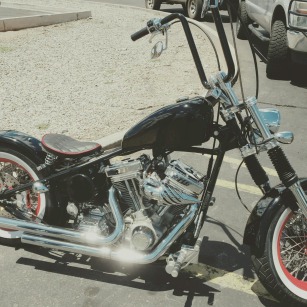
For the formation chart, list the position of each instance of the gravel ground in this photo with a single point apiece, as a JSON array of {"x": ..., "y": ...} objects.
[{"x": 87, "y": 79}]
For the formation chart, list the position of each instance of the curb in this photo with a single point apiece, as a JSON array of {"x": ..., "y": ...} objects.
[
  {"x": 48, "y": 17},
  {"x": 18, "y": 23}
]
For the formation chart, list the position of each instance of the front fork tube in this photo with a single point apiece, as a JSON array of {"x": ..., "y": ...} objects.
[
  {"x": 255, "y": 169},
  {"x": 286, "y": 173},
  {"x": 288, "y": 176},
  {"x": 257, "y": 173}
]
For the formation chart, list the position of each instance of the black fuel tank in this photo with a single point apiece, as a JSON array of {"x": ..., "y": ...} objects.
[{"x": 182, "y": 124}]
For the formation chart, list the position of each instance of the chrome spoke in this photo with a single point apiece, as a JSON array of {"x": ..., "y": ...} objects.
[{"x": 293, "y": 246}]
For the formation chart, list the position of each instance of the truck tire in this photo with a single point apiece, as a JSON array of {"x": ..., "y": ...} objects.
[
  {"x": 242, "y": 23},
  {"x": 193, "y": 9},
  {"x": 278, "y": 58},
  {"x": 153, "y": 4}
]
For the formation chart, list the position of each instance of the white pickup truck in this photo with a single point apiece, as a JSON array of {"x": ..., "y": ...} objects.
[
  {"x": 193, "y": 8},
  {"x": 284, "y": 24}
]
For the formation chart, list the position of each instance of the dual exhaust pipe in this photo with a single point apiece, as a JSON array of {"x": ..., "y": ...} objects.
[{"x": 91, "y": 244}]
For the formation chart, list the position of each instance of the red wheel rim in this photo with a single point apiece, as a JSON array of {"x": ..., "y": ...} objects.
[
  {"x": 288, "y": 243},
  {"x": 29, "y": 200}
]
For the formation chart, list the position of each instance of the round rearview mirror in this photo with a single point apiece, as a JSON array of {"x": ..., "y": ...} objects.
[{"x": 157, "y": 50}]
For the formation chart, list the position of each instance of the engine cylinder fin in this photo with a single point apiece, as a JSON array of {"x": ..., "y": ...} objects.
[{"x": 129, "y": 193}]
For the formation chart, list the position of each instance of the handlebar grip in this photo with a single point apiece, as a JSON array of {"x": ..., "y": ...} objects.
[
  {"x": 143, "y": 32},
  {"x": 139, "y": 34}
]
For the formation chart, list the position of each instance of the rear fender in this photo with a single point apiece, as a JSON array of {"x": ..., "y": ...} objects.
[
  {"x": 260, "y": 219},
  {"x": 24, "y": 143}
]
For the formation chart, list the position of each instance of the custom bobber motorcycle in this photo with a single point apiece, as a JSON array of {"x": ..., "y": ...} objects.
[{"x": 65, "y": 194}]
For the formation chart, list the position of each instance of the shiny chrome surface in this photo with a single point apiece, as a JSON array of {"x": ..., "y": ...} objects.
[
  {"x": 271, "y": 118},
  {"x": 285, "y": 137},
  {"x": 142, "y": 238},
  {"x": 71, "y": 235},
  {"x": 300, "y": 197},
  {"x": 251, "y": 103},
  {"x": 124, "y": 176},
  {"x": 39, "y": 187},
  {"x": 181, "y": 186},
  {"x": 184, "y": 177},
  {"x": 120, "y": 254},
  {"x": 167, "y": 194},
  {"x": 297, "y": 41},
  {"x": 182, "y": 258},
  {"x": 124, "y": 170}
]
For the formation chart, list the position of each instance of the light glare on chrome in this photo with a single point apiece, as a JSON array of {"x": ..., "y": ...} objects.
[
  {"x": 271, "y": 118},
  {"x": 285, "y": 137}
]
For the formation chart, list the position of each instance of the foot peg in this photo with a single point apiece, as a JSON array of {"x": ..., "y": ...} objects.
[{"x": 181, "y": 259}]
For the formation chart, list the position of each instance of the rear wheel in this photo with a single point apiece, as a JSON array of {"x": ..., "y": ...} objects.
[
  {"x": 16, "y": 169},
  {"x": 153, "y": 4},
  {"x": 282, "y": 268},
  {"x": 278, "y": 53}
]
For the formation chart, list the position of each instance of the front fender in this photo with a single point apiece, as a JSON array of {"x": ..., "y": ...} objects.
[
  {"x": 260, "y": 219},
  {"x": 24, "y": 143}
]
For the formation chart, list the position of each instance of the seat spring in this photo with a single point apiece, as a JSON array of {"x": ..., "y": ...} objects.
[{"x": 50, "y": 159}]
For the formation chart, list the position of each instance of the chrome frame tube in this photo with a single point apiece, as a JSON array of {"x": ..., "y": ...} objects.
[
  {"x": 119, "y": 254},
  {"x": 71, "y": 235}
]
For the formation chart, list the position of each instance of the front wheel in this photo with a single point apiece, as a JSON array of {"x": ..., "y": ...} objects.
[
  {"x": 153, "y": 4},
  {"x": 282, "y": 268},
  {"x": 16, "y": 169}
]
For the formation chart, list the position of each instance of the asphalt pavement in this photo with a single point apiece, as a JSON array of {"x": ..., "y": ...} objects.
[{"x": 224, "y": 275}]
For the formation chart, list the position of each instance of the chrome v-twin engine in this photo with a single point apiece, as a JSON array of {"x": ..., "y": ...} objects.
[
  {"x": 154, "y": 197},
  {"x": 178, "y": 184}
]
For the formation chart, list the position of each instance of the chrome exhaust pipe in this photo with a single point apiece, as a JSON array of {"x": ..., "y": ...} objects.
[
  {"x": 120, "y": 254},
  {"x": 71, "y": 235}
]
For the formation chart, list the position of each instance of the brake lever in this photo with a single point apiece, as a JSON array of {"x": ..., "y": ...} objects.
[{"x": 160, "y": 46}]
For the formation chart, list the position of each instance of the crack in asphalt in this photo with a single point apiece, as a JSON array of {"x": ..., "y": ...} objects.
[{"x": 282, "y": 105}]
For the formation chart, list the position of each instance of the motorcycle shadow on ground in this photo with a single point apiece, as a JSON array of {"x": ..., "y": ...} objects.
[{"x": 216, "y": 259}]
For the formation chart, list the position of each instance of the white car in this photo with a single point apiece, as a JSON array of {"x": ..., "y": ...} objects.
[
  {"x": 284, "y": 24},
  {"x": 193, "y": 8}
]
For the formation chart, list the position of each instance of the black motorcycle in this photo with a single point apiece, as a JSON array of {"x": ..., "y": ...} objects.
[{"x": 65, "y": 194}]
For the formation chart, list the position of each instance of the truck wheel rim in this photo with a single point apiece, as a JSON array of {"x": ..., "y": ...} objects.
[
  {"x": 150, "y": 3},
  {"x": 193, "y": 7}
]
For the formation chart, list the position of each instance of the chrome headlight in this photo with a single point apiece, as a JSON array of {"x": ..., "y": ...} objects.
[
  {"x": 298, "y": 15},
  {"x": 271, "y": 118}
]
